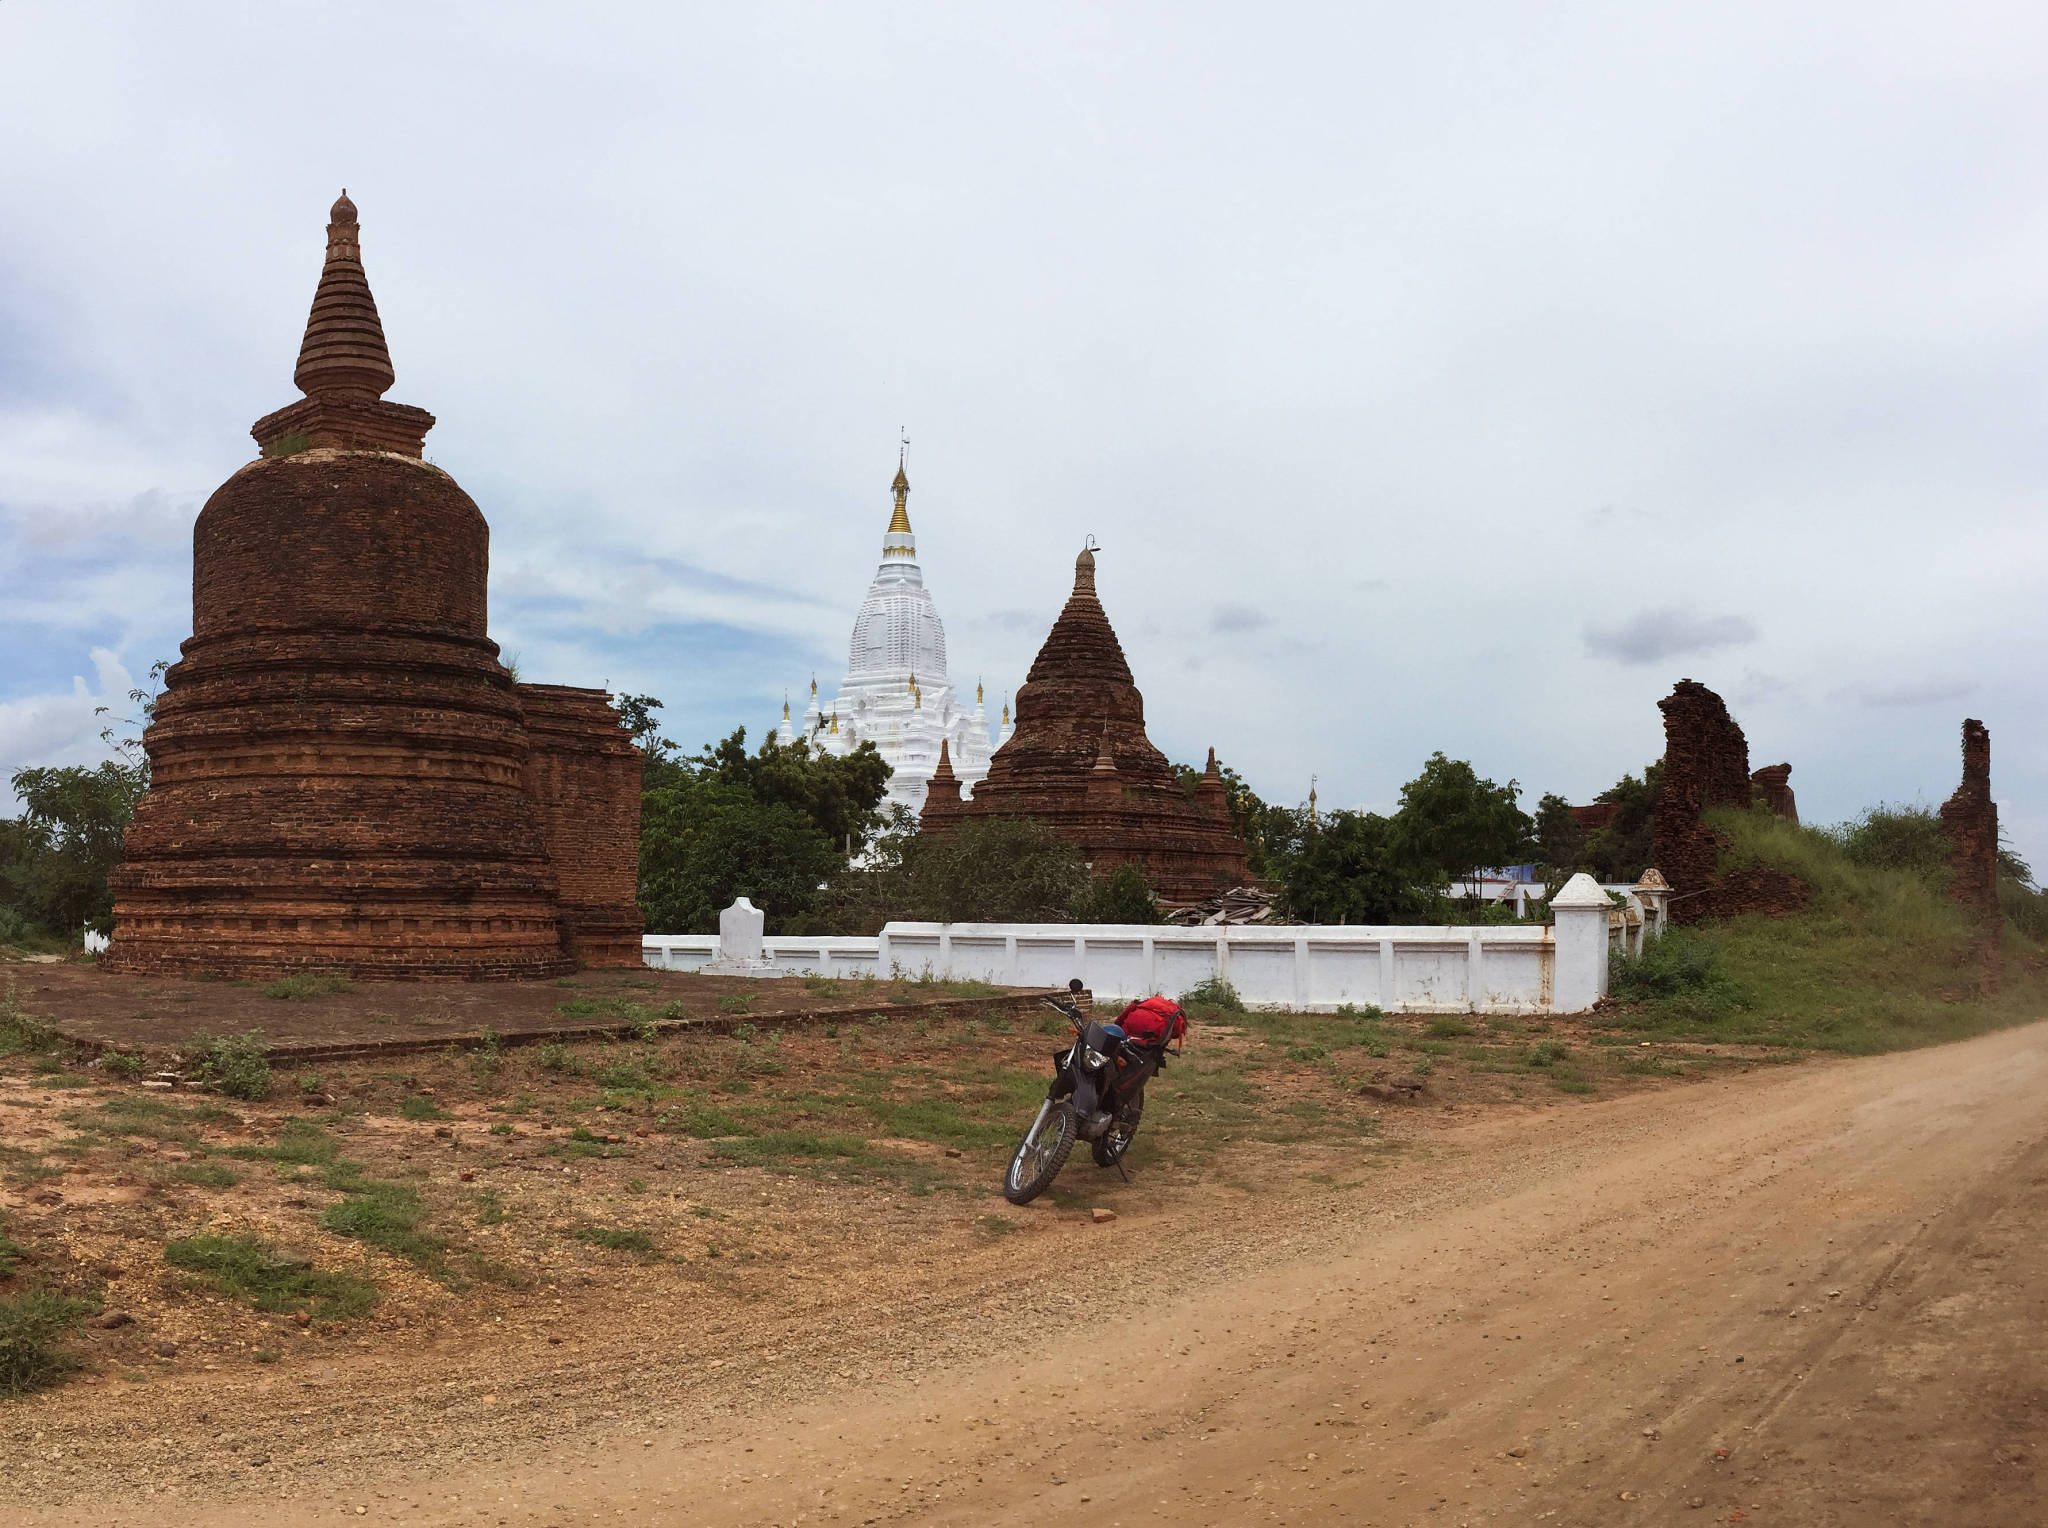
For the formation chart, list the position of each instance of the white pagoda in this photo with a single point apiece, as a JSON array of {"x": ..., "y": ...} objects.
[{"x": 896, "y": 693}]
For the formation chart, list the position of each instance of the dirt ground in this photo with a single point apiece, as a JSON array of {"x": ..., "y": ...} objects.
[
  {"x": 1655, "y": 1289},
  {"x": 314, "y": 1016}
]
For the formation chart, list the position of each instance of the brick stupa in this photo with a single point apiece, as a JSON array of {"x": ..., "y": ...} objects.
[
  {"x": 343, "y": 775},
  {"x": 1080, "y": 762}
]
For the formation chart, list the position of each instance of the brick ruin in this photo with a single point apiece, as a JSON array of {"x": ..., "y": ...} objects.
[
  {"x": 1080, "y": 762},
  {"x": 343, "y": 775},
  {"x": 1969, "y": 818},
  {"x": 1772, "y": 786},
  {"x": 1706, "y": 765}
]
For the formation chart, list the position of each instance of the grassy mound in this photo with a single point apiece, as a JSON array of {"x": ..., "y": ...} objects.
[{"x": 1881, "y": 960}]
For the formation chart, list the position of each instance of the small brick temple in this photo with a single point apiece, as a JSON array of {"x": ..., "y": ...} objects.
[
  {"x": 1080, "y": 762},
  {"x": 343, "y": 776}
]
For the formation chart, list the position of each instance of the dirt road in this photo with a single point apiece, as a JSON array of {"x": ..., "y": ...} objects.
[{"x": 1813, "y": 1295}]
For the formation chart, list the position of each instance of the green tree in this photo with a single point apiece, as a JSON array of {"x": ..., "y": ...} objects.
[
  {"x": 985, "y": 870},
  {"x": 1560, "y": 841},
  {"x": 1349, "y": 867},
  {"x": 772, "y": 826},
  {"x": 58, "y": 854},
  {"x": 1125, "y": 895},
  {"x": 1452, "y": 823},
  {"x": 842, "y": 796},
  {"x": 1626, "y": 847},
  {"x": 703, "y": 844}
]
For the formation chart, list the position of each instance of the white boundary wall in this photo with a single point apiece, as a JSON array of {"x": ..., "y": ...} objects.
[{"x": 1508, "y": 969}]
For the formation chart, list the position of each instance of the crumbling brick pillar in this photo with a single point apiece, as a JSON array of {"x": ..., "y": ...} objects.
[
  {"x": 1706, "y": 764},
  {"x": 1774, "y": 790},
  {"x": 1970, "y": 819}
]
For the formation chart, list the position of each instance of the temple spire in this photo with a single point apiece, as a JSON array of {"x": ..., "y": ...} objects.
[
  {"x": 344, "y": 365},
  {"x": 899, "y": 523},
  {"x": 343, "y": 354}
]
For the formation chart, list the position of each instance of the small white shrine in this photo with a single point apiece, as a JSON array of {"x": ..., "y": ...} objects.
[{"x": 896, "y": 693}]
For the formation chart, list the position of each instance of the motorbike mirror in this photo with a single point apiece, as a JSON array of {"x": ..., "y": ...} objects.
[{"x": 1074, "y": 986}]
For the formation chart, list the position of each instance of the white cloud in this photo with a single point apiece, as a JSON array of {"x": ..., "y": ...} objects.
[
  {"x": 1330, "y": 322},
  {"x": 62, "y": 727}
]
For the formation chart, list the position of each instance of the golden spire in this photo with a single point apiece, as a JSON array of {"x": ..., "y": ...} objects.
[
  {"x": 814, "y": 686},
  {"x": 899, "y": 523},
  {"x": 835, "y": 721},
  {"x": 977, "y": 692},
  {"x": 785, "y": 710}
]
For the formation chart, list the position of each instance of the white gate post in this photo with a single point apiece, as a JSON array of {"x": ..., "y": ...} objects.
[
  {"x": 1654, "y": 892},
  {"x": 1580, "y": 911}
]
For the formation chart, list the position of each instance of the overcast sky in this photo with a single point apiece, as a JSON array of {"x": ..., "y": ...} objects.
[{"x": 1435, "y": 377}]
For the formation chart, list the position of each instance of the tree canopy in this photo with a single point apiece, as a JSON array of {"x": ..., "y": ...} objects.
[{"x": 773, "y": 825}]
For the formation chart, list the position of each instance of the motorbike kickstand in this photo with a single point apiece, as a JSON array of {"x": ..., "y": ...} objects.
[{"x": 1120, "y": 1170}]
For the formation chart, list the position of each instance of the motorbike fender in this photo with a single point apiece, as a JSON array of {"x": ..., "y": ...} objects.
[{"x": 1091, "y": 1118}]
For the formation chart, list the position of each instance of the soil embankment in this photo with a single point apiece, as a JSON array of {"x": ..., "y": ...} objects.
[{"x": 1806, "y": 1296}]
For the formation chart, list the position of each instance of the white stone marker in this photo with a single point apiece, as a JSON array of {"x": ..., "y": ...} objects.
[{"x": 739, "y": 943}]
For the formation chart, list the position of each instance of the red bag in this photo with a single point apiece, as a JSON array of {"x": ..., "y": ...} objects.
[{"x": 1153, "y": 1020}]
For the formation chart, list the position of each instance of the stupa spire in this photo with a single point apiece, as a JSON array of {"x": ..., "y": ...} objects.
[
  {"x": 343, "y": 353},
  {"x": 899, "y": 523},
  {"x": 344, "y": 365}
]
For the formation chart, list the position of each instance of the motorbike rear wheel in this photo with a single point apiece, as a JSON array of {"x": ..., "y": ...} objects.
[
  {"x": 1116, "y": 1140},
  {"x": 1041, "y": 1154}
]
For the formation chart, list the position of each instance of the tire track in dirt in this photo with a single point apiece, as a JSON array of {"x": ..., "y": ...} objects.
[{"x": 1594, "y": 1316}]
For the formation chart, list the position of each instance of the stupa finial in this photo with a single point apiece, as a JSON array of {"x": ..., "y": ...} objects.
[
  {"x": 899, "y": 523},
  {"x": 344, "y": 365},
  {"x": 1084, "y": 567},
  {"x": 343, "y": 354}
]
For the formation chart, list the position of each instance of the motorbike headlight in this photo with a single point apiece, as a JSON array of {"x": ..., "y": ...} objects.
[{"x": 1094, "y": 1058}]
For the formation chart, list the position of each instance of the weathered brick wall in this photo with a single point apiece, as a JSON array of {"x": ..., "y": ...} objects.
[
  {"x": 1595, "y": 816},
  {"x": 583, "y": 778},
  {"x": 1970, "y": 819},
  {"x": 337, "y": 783},
  {"x": 1772, "y": 785},
  {"x": 1079, "y": 709},
  {"x": 1706, "y": 764}
]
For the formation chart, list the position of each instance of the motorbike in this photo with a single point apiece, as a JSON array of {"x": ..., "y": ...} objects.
[{"x": 1097, "y": 1095}]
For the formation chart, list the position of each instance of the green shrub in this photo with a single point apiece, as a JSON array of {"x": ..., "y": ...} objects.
[
  {"x": 1213, "y": 992},
  {"x": 1681, "y": 961},
  {"x": 616, "y": 1240},
  {"x": 555, "y": 1057},
  {"x": 1122, "y": 896},
  {"x": 419, "y": 1106},
  {"x": 248, "y": 1268},
  {"x": 232, "y": 1065},
  {"x": 1907, "y": 838},
  {"x": 31, "y": 1324},
  {"x": 125, "y": 1064},
  {"x": 21, "y": 1034}
]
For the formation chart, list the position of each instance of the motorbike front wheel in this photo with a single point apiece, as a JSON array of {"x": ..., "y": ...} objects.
[
  {"x": 1041, "y": 1154},
  {"x": 1116, "y": 1140}
]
